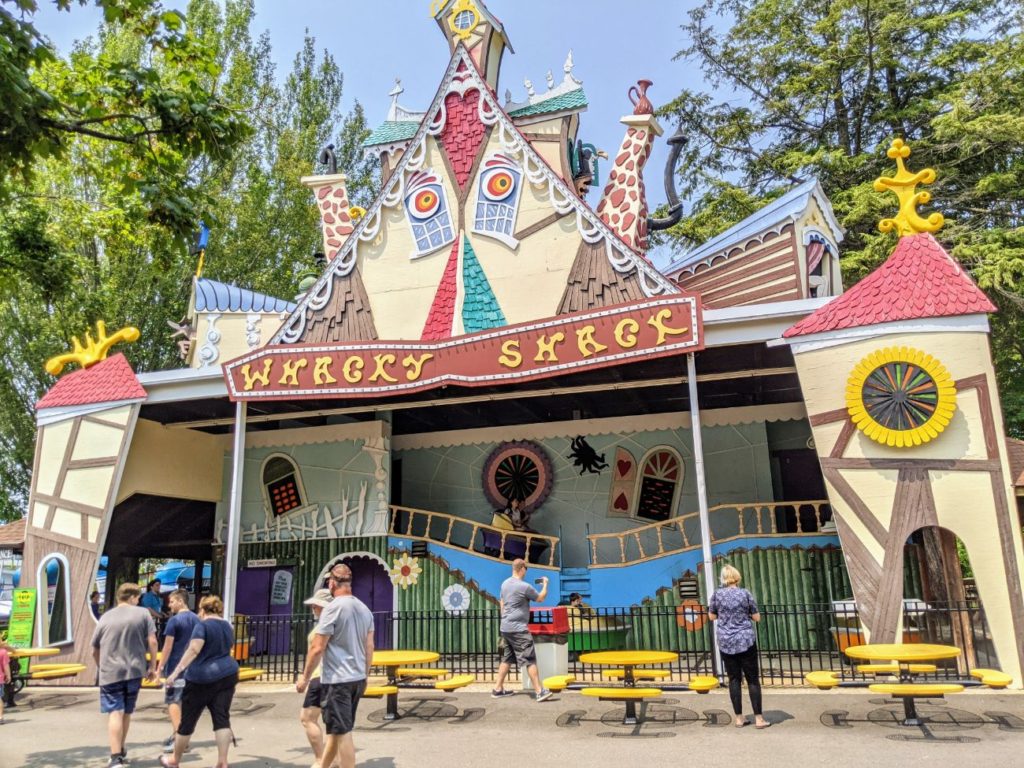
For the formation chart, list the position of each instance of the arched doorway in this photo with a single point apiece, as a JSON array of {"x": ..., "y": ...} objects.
[{"x": 371, "y": 583}]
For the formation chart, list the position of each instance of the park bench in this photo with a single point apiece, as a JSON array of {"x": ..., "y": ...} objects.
[
  {"x": 558, "y": 683},
  {"x": 992, "y": 678},
  {"x": 702, "y": 683},
  {"x": 412, "y": 673},
  {"x": 909, "y": 692},
  {"x": 823, "y": 679},
  {"x": 54, "y": 671},
  {"x": 379, "y": 691},
  {"x": 638, "y": 674},
  {"x": 459, "y": 681},
  {"x": 628, "y": 695},
  {"x": 894, "y": 669}
]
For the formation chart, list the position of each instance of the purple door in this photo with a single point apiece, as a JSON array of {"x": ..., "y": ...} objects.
[
  {"x": 265, "y": 595},
  {"x": 371, "y": 583}
]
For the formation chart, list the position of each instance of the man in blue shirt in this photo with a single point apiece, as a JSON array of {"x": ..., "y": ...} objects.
[{"x": 176, "y": 638}]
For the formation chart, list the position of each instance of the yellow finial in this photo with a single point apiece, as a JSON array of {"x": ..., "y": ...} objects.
[
  {"x": 904, "y": 186},
  {"x": 435, "y": 7},
  {"x": 93, "y": 351},
  {"x": 356, "y": 212}
]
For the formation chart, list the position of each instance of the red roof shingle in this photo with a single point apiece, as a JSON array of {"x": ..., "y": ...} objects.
[
  {"x": 918, "y": 280},
  {"x": 442, "y": 310},
  {"x": 108, "y": 381}
]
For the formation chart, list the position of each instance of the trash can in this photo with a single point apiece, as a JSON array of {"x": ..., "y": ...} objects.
[{"x": 550, "y": 630}]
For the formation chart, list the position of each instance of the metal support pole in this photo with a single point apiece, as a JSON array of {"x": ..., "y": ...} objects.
[
  {"x": 702, "y": 489},
  {"x": 234, "y": 512}
]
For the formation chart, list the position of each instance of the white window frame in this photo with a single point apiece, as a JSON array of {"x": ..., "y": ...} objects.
[{"x": 42, "y": 595}]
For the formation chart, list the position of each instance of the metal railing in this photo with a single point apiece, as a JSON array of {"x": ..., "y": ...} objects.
[
  {"x": 792, "y": 639},
  {"x": 728, "y": 521},
  {"x": 480, "y": 538}
]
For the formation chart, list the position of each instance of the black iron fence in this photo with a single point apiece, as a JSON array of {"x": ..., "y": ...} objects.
[{"x": 792, "y": 639}]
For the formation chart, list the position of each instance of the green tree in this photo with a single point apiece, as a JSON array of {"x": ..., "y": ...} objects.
[
  {"x": 79, "y": 242},
  {"x": 821, "y": 87}
]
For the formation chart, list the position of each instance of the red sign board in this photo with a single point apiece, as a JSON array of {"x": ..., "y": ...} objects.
[{"x": 659, "y": 327}]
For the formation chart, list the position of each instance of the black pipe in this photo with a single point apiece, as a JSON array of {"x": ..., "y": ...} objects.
[{"x": 675, "y": 208}]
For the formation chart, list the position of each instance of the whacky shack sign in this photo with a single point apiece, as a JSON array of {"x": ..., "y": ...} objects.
[{"x": 565, "y": 344}]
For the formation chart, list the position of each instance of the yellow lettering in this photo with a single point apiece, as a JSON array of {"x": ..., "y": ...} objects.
[
  {"x": 546, "y": 348},
  {"x": 511, "y": 357},
  {"x": 322, "y": 371},
  {"x": 352, "y": 370},
  {"x": 624, "y": 338},
  {"x": 413, "y": 366},
  {"x": 291, "y": 371},
  {"x": 586, "y": 342},
  {"x": 658, "y": 323},
  {"x": 379, "y": 372},
  {"x": 251, "y": 377}
]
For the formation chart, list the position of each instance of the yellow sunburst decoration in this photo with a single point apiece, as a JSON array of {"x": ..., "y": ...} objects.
[
  {"x": 406, "y": 571},
  {"x": 900, "y": 397},
  {"x": 904, "y": 186},
  {"x": 463, "y": 19}
]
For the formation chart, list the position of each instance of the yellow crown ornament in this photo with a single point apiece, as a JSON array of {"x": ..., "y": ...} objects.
[
  {"x": 904, "y": 186},
  {"x": 94, "y": 350}
]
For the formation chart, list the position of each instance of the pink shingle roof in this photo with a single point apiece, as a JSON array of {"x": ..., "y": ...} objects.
[
  {"x": 918, "y": 280},
  {"x": 108, "y": 381}
]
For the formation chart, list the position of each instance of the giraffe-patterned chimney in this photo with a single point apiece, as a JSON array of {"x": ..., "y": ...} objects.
[
  {"x": 335, "y": 219},
  {"x": 623, "y": 205}
]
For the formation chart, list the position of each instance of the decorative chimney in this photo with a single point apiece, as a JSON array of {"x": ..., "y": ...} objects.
[
  {"x": 623, "y": 205},
  {"x": 335, "y": 217}
]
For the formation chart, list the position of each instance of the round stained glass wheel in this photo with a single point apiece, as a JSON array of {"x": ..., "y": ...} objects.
[
  {"x": 900, "y": 397},
  {"x": 517, "y": 470}
]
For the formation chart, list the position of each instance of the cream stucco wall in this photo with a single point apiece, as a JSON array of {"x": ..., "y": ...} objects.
[
  {"x": 965, "y": 501},
  {"x": 223, "y": 336},
  {"x": 179, "y": 463}
]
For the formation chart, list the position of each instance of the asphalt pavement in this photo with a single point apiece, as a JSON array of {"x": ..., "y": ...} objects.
[{"x": 56, "y": 727}]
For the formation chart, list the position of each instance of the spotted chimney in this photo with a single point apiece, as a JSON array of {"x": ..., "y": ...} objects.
[
  {"x": 335, "y": 220},
  {"x": 623, "y": 205}
]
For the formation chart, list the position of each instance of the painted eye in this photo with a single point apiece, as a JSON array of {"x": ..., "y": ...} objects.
[
  {"x": 425, "y": 203},
  {"x": 499, "y": 184}
]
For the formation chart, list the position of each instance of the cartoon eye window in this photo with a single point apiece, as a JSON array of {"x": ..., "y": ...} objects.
[
  {"x": 498, "y": 199},
  {"x": 464, "y": 20},
  {"x": 428, "y": 213}
]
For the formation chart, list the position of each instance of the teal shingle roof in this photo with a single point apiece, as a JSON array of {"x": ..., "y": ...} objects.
[
  {"x": 392, "y": 130},
  {"x": 575, "y": 99}
]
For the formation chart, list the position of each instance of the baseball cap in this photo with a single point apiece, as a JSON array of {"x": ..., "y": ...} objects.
[{"x": 321, "y": 597}]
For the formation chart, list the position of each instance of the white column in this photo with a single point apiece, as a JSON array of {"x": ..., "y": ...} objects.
[
  {"x": 234, "y": 511},
  {"x": 702, "y": 488}
]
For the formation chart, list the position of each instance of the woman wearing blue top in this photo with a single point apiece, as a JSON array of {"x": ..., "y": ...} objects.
[
  {"x": 734, "y": 611},
  {"x": 211, "y": 675}
]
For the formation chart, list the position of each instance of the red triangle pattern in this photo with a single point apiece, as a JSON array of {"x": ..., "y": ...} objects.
[
  {"x": 108, "y": 381},
  {"x": 442, "y": 311},
  {"x": 919, "y": 280},
  {"x": 463, "y": 133}
]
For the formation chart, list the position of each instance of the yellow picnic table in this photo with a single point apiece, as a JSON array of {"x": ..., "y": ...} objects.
[
  {"x": 628, "y": 661},
  {"x": 906, "y": 655},
  {"x": 38, "y": 672},
  {"x": 391, "y": 661}
]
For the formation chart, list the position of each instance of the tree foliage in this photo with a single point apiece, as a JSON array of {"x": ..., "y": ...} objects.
[
  {"x": 821, "y": 87},
  {"x": 83, "y": 239}
]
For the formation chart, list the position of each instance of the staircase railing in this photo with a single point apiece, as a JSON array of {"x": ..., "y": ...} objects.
[
  {"x": 482, "y": 539},
  {"x": 728, "y": 522}
]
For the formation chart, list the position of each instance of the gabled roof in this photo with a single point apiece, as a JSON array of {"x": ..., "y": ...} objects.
[
  {"x": 919, "y": 280},
  {"x": 777, "y": 213},
  {"x": 392, "y": 130},
  {"x": 561, "y": 196},
  {"x": 109, "y": 381},
  {"x": 572, "y": 100},
  {"x": 12, "y": 535},
  {"x": 213, "y": 296}
]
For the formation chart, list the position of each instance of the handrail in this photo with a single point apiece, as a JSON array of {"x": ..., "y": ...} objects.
[
  {"x": 423, "y": 519},
  {"x": 676, "y": 526}
]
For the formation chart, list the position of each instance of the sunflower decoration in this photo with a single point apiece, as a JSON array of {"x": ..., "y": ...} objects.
[
  {"x": 406, "y": 571},
  {"x": 455, "y": 599},
  {"x": 900, "y": 397}
]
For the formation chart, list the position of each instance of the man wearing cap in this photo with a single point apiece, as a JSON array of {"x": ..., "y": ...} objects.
[
  {"x": 344, "y": 640},
  {"x": 309, "y": 716}
]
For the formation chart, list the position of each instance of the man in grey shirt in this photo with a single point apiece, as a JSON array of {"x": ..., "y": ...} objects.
[
  {"x": 119, "y": 644},
  {"x": 343, "y": 639},
  {"x": 517, "y": 642}
]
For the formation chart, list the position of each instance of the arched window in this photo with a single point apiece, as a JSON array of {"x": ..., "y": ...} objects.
[
  {"x": 282, "y": 485},
  {"x": 54, "y": 601},
  {"x": 661, "y": 480}
]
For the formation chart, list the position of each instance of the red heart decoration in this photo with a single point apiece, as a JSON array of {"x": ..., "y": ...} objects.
[
  {"x": 624, "y": 467},
  {"x": 620, "y": 502}
]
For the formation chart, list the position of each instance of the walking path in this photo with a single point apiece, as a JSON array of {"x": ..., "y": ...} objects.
[{"x": 58, "y": 727}]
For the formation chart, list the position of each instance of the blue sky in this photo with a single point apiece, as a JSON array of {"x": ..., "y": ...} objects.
[{"x": 614, "y": 44}]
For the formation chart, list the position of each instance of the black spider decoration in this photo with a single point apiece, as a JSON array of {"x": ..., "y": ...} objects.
[{"x": 585, "y": 457}]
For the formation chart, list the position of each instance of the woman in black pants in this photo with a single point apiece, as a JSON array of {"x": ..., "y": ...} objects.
[
  {"x": 211, "y": 675},
  {"x": 734, "y": 611}
]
